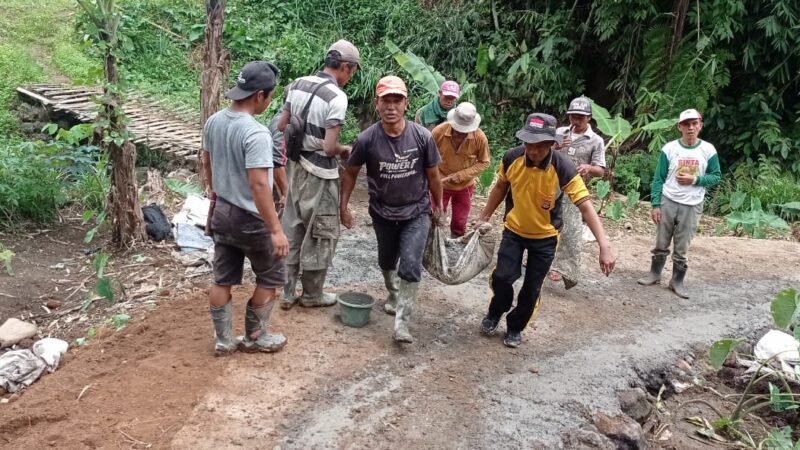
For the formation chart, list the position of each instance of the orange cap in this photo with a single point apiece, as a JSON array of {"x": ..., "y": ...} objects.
[{"x": 391, "y": 85}]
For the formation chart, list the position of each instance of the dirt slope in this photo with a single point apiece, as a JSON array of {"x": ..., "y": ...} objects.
[{"x": 157, "y": 382}]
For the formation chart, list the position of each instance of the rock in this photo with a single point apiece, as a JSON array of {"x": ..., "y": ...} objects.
[
  {"x": 625, "y": 432},
  {"x": 54, "y": 304},
  {"x": 745, "y": 348},
  {"x": 25, "y": 343},
  {"x": 586, "y": 439},
  {"x": 684, "y": 366},
  {"x": 15, "y": 330},
  {"x": 633, "y": 402},
  {"x": 533, "y": 369},
  {"x": 730, "y": 361}
]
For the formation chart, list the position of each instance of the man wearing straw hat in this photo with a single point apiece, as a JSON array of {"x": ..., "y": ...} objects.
[{"x": 464, "y": 150}]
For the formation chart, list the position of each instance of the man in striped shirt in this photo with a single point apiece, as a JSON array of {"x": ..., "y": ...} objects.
[{"x": 311, "y": 215}]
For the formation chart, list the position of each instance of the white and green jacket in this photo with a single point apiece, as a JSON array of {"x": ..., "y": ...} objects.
[{"x": 700, "y": 160}]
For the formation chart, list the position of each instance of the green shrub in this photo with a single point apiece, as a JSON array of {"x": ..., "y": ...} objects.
[
  {"x": 30, "y": 186},
  {"x": 634, "y": 172}
]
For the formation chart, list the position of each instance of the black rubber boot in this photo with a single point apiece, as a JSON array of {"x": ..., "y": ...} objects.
[
  {"x": 289, "y": 296},
  {"x": 656, "y": 266},
  {"x": 676, "y": 283}
]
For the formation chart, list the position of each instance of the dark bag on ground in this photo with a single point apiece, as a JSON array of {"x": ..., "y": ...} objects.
[
  {"x": 295, "y": 130},
  {"x": 156, "y": 224}
]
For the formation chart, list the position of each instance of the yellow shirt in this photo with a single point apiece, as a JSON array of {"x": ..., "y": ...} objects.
[
  {"x": 467, "y": 162},
  {"x": 533, "y": 202}
]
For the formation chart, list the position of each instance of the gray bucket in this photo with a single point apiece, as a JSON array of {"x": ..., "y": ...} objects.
[{"x": 355, "y": 307}]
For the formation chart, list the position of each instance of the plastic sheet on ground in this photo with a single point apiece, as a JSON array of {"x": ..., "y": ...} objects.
[
  {"x": 476, "y": 255},
  {"x": 190, "y": 225},
  {"x": 20, "y": 368}
]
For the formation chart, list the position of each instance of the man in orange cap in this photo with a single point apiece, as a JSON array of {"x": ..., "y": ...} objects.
[{"x": 401, "y": 159}]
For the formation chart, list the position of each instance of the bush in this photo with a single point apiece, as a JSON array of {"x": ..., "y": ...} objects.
[
  {"x": 30, "y": 186},
  {"x": 634, "y": 173}
]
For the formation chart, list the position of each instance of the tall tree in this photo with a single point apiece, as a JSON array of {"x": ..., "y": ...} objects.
[
  {"x": 126, "y": 215},
  {"x": 216, "y": 62}
]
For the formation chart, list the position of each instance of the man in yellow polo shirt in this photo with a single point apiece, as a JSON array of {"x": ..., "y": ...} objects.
[{"x": 533, "y": 179}]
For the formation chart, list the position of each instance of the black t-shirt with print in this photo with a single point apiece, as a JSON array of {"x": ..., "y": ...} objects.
[{"x": 398, "y": 185}]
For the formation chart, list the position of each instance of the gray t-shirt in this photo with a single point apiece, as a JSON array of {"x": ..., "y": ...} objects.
[
  {"x": 398, "y": 184},
  {"x": 586, "y": 148},
  {"x": 236, "y": 142}
]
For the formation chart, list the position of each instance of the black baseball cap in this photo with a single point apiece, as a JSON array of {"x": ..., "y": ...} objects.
[
  {"x": 539, "y": 127},
  {"x": 255, "y": 76}
]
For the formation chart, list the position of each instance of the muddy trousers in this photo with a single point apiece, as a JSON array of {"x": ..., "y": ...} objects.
[
  {"x": 508, "y": 270},
  {"x": 678, "y": 225},
  {"x": 401, "y": 243},
  {"x": 568, "y": 255}
]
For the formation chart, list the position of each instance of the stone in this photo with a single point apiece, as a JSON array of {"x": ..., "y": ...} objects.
[
  {"x": 15, "y": 330},
  {"x": 586, "y": 439},
  {"x": 54, "y": 303},
  {"x": 633, "y": 402},
  {"x": 625, "y": 432},
  {"x": 684, "y": 366}
]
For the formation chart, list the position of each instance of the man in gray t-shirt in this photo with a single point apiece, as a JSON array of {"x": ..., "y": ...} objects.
[
  {"x": 238, "y": 161},
  {"x": 587, "y": 151},
  {"x": 402, "y": 170}
]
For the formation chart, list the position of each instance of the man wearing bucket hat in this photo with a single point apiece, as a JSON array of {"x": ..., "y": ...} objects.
[
  {"x": 464, "y": 150},
  {"x": 244, "y": 222},
  {"x": 404, "y": 191},
  {"x": 311, "y": 214},
  {"x": 533, "y": 179},
  {"x": 587, "y": 151},
  {"x": 686, "y": 168},
  {"x": 436, "y": 111}
]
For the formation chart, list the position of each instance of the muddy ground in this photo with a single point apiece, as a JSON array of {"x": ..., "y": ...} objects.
[{"x": 156, "y": 384}]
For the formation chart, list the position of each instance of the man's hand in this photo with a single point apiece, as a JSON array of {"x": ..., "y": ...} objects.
[
  {"x": 607, "y": 260},
  {"x": 344, "y": 154},
  {"x": 438, "y": 217},
  {"x": 565, "y": 143},
  {"x": 346, "y": 218},
  {"x": 655, "y": 214},
  {"x": 280, "y": 244},
  {"x": 685, "y": 180},
  {"x": 584, "y": 169}
]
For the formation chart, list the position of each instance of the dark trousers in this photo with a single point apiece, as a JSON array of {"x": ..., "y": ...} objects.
[
  {"x": 509, "y": 268},
  {"x": 402, "y": 241}
]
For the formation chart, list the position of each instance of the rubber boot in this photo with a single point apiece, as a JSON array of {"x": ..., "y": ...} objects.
[
  {"x": 313, "y": 280},
  {"x": 222, "y": 316},
  {"x": 676, "y": 283},
  {"x": 256, "y": 338},
  {"x": 656, "y": 266},
  {"x": 391, "y": 282},
  {"x": 289, "y": 295},
  {"x": 405, "y": 303}
]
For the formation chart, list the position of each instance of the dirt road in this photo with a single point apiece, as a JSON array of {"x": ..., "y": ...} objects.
[{"x": 156, "y": 383}]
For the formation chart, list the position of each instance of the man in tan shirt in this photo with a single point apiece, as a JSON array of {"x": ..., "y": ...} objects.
[{"x": 465, "y": 154}]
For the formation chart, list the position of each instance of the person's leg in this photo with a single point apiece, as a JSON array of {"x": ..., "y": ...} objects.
[
  {"x": 501, "y": 281},
  {"x": 567, "y": 263},
  {"x": 387, "y": 234},
  {"x": 270, "y": 273},
  {"x": 228, "y": 268},
  {"x": 462, "y": 203},
  {"x": 295, "y": 231},
  {"x": 687, "y": 218},
  {"x": 446, "y": 195},
  {"x": 413, "y": 236},
  {"x": 542, "y": 252},
  {"x": 664, "y": 232},
  {"x": 319, "y": 245}
]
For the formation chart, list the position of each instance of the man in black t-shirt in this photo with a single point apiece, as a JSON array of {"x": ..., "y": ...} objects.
[{"x": 402, "y": 160}]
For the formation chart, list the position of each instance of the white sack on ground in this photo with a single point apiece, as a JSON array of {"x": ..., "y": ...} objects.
[
  {"x": 20, "y": 368},
  {"x": 190, "y": 224},
  {"x": 476, "y": 256}
]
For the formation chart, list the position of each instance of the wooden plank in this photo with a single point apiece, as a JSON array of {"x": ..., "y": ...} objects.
[{"x": 33, "y": 95}]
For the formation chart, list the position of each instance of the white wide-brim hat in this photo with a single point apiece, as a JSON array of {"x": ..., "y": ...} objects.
[{"x": 464, "y": 118}]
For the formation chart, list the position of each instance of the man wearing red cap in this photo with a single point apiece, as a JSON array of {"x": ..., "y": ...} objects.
[
  {"x": 401, "y": 159},
  {"x": 685, "y": 169},
  {"x": 436, "y": 111}
]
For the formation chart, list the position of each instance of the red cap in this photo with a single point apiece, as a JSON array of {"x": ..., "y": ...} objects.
[{"x": 391, "y": 85}]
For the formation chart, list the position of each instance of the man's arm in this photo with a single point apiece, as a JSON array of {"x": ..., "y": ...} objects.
[
  {"x": 348, "y": 183},
  {"x": 712, "y": 176},
  {"x": 284, "y": 119},
  {"x": 331, "y": 144},
  {"x": 281, "y": 181},
  {"x": 607, "y": 259},
  {"x": 662, "y": 169},
  {"x": 206, "y": 156},
  {"x": 258, "y": 180},
  {"x": 435, "y": 187},
  {"x": 496, "y": 197}
]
